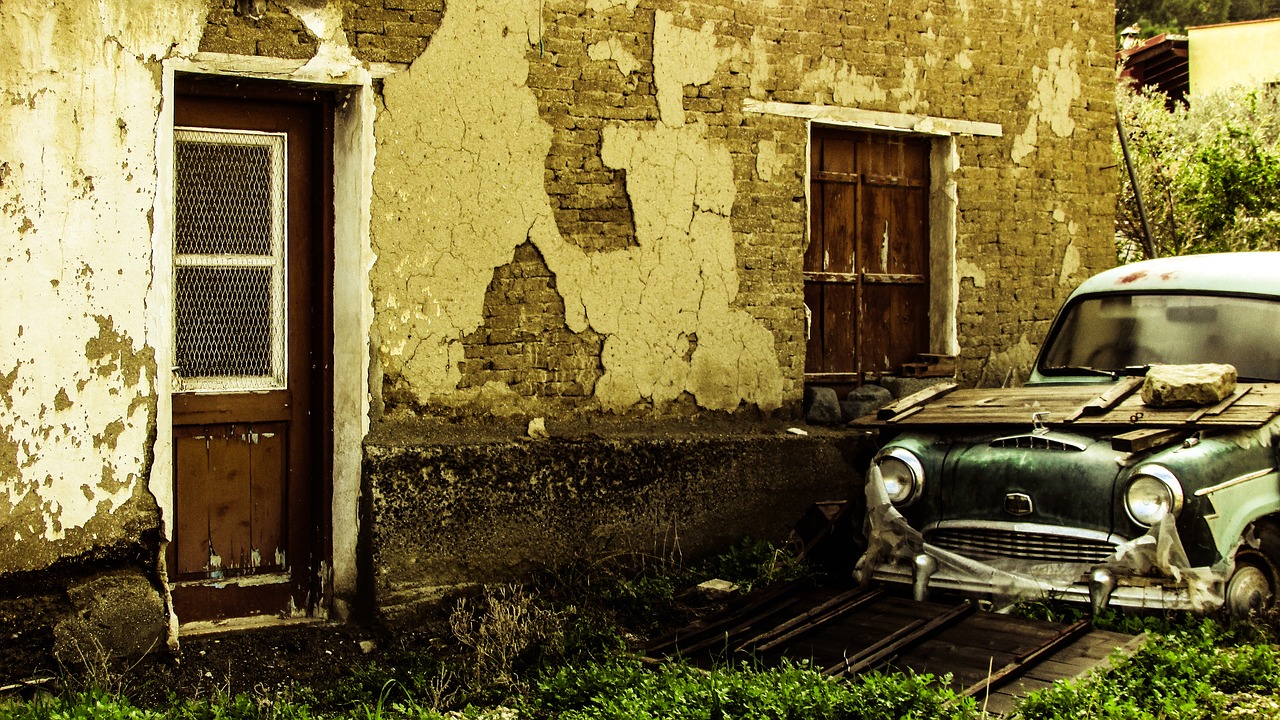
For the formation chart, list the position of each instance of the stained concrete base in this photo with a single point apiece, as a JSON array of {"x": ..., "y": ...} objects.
[
  {"x": 76, "y": 617},
  {"x": 446, "y": 507}
]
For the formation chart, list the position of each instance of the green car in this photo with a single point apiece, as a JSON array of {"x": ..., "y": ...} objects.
[{"x": 1073, "y": 486}]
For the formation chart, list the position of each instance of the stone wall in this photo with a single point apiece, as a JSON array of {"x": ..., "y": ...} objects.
[{"x": 445, "y": 510}]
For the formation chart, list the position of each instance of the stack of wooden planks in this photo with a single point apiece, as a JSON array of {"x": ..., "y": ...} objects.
[{"x": 1075, "y": 406}]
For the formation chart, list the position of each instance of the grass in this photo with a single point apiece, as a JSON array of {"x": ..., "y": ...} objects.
[
  {"x": 1190, "y": 668},
  {"x": 561, "y": 654},
  {"x": 623, "y": 689}
]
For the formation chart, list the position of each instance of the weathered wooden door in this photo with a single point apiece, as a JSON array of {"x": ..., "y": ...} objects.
[
  {"x": 250, "y": 353},
  {"x": 866, "y": 269}
]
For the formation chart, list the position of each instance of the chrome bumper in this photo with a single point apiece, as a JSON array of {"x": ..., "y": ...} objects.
[{"x": 1128, "y": 592}]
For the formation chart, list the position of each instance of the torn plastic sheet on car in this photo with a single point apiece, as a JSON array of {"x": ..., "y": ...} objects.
[{"x": 1149, "y": 571}]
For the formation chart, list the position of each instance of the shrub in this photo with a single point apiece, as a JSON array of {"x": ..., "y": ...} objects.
[
  {"x": 1194, "y": 671},
  {"x": 624, "y": 689},
  {"x": 1209, "y": 172}
]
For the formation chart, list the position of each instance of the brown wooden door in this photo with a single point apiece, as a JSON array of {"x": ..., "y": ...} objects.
[
  {"x": 250, "y": 354},
  {"x": 866, "y": 269}
]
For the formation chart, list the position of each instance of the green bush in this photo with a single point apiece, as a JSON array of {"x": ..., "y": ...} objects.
[
  {"x": 624, "y": 689},
  {"x": 91, "y": 705},
  {"x": 1209, "y": 172},
  {"x": 1194, "y": 671}
]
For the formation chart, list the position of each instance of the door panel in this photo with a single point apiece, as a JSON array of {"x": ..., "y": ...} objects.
[
  {"x": 250, "y": 353},
  {"x": 866, "y": 268},
  {"x": 231, "y": 500}
]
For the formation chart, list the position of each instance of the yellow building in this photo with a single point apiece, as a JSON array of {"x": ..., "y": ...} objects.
[{"x": 1241, "y": 53}]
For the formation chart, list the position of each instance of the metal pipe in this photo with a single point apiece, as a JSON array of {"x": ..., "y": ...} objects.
[{"x": 1148, "y": 245}]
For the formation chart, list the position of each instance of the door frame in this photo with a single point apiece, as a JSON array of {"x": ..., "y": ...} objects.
[
  {"x": 306, "y": 487},
  {"x": 348, "y": 197},
  {"x": 944, "y": 165}
]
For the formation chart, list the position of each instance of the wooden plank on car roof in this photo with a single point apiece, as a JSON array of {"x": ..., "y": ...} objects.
[
  {"x": 1107, "y": 400},
  {"x": 910, "y": 401},
  {"x": 1013, "y": 405},
  {"x": 1219, "y": 408},
  {"x": 1145, "y": 439},
  {"x": 1255, "y": 406}
]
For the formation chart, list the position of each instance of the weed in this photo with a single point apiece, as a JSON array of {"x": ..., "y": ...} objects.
[
  {"x": 505, "y": 632},
  {"x": 78, "y": 705},
  {"x": 624, "y": 689},
  {"x": 753, "y": 563}
]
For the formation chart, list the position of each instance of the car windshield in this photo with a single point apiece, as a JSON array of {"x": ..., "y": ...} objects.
[{"x": 1112, "y": 332}]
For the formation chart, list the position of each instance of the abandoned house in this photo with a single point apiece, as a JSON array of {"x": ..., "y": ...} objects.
[{"x": 328, "y": 309}]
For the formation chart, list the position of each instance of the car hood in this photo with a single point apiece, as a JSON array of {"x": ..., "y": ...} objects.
[{"x": 1047, "y": 478}]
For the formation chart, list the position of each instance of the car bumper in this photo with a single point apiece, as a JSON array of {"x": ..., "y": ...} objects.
[
  {"x": 1127, "y": 592},
  {"x": 1150, "y": 571}
]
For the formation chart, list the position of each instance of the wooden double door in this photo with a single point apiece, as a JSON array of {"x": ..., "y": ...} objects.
[
  {"x": 251, "y": 355},
  {"x": 866, "y": 269}
]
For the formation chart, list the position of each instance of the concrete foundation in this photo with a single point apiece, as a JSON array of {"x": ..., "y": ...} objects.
[{"x": 445, "y": 509}]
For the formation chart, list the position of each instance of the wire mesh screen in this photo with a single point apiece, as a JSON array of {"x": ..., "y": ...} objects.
[
  {"x": 224, "y": 202},
  {"x": 229, "y": 298}
]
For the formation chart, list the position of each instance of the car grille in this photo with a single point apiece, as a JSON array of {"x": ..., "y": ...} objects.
[
  {"x": 1036, "y": 442},
  {"x": 991, "y": 543}
]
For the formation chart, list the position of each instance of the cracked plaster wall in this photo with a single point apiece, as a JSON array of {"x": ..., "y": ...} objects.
[
  {"x": 79, "y": 105},
  {"x": 691, "y": 271},
  {"x": 460, "y": 186}
]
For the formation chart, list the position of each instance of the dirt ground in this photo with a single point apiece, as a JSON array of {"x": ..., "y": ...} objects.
[{"x": 261, "y": 662}]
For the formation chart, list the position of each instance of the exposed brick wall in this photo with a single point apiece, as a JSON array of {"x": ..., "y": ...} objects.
[
  {"x": 524, "y": 343},
  {"x": 769, "y": 229},
  {"x": 577, "y": 97},
  {"x": 395, "y": 31},
  {"x": 275, "y": 34}
]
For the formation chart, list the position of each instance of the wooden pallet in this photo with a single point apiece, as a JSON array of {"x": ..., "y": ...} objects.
[
  {"x": 992, "y": 657},
  {"x": 1075, "y": 406}
]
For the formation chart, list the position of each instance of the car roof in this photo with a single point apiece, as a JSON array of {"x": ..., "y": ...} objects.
[{"x": 1245, "y": 272}]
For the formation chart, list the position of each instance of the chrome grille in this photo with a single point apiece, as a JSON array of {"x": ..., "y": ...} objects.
[
  {"x": 1035, "y": 441},
  {"x": 992, "y": 543}
]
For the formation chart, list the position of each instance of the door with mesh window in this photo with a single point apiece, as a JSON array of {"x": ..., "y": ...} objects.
[{"x": 249, "y": 354}]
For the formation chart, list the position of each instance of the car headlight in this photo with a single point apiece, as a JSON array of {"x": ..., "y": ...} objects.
[
  {"x": 901, "y": 474},
  {"x": 1153, "y": 493}
]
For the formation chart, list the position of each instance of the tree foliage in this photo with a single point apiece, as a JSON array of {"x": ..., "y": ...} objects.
[
  {"x": 1209, "y": 172},
  {"x": 1175, "y": 16}
]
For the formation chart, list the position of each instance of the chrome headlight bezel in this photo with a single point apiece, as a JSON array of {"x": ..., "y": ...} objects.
[
  {"x": 1160, "y": 488},
  {"x": 905, "y": 487}
]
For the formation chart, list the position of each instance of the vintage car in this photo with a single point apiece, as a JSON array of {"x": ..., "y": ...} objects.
[{"x": 1072, "y": 486}]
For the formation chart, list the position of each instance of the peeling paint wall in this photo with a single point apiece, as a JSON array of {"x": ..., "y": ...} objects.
[
  {"x": 610, "y": 138},
  {"x": 81, "y": 96},
  {"x": 676, "y": 333},
  {"x": 572, "y": 213}
]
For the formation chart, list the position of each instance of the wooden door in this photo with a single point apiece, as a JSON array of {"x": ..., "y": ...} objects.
[
  {"x": 866, "y": 267},
  {"x": 251, "y": 352}
]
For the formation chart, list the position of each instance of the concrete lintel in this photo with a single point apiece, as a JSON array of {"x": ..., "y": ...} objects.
[
  {"x": 270, "y": 68},
  {"x": 875, "y": 120}
]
